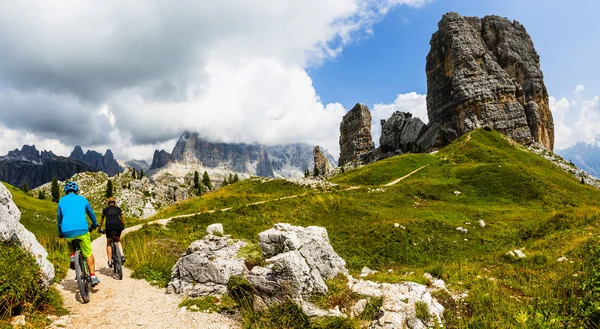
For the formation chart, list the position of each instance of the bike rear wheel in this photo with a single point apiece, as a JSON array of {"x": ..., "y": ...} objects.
[
  {"x": 82, "y": 276},
  {"x": 117, "y": 265}
]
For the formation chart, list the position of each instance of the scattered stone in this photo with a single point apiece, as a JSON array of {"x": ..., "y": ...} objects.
[
  {"x": 18, "y": 321},
  {"x": 481, "y": 223},
  {"x": 435, "y": 283},
  {"x": 358, "y": 308},
  {"x": 11, "y": 230},
  {"x": 215, "y": 229},
  {"x": 396, "y": 225},
  {"x": 398, "y": 309},
  {"x": 517, "y": 253},
  {"x": 366, "y": 272},
  {"x": 400, "y": 133},
  {"x": 467, "y": 223},
  {"x": 457, "y": 193},
  {"x": 462, "y": 229},
  {"x": 562, "y": 259}
]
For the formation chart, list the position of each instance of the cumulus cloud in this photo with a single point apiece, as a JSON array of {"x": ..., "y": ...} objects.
[
  {"x": 136, "y": 73},
  {"x": 410, "y": 102},
  {"x": 576, "y": 120}
]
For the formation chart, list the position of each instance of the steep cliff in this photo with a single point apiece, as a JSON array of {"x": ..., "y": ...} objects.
[{"x": 485, "y": 72}]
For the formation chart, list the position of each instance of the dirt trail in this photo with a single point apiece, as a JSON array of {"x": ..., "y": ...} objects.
[
  {"x": 130, "y": 303},
  {"x": 404, "y": 177}
]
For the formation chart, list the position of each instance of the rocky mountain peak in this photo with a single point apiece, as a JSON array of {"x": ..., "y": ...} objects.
[
  {"x": 355, "y": 134},
  {"x": 160, "y": 159},
  {"x": 485, "y": 72},
  {"x": 27, "y": 153},
  {"x": 97, "y": 161}
]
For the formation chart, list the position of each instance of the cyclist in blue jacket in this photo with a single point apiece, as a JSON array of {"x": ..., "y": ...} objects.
[{"x": 72, "y": 225}]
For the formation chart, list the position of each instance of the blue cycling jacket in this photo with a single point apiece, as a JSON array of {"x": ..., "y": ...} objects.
[{"x": 71, "y": 215}]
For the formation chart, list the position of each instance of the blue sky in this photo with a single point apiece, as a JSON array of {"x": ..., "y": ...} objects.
[{"x": 374, "y": 70}]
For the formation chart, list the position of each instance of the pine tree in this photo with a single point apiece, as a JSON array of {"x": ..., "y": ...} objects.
[
  {"x": 24, "y": 188},
  {"x": 196, "y": 180},
  {"x": 231, "y": 179},
  {"x": 316, "y": 172},
  {"x": 109, "y": 189},
  {"x": 582, "y": 180},
  {"x": 141, "y": 174},
  {"x": 306, "y": 173},
  {"x": 134, "y": 173},
  {"x": 236, "y": 178},
  {"x": 225, "y": 182},
  {"x": 42, "y": 195},
  {"x": 206, "y": 181},
  {"x": 54, "y": 190}
]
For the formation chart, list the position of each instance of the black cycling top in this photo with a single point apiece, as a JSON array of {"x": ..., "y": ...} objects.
[{"x": 113, "y": 218}]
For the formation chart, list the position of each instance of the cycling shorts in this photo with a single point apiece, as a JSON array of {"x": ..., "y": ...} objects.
[{"x": 85, "y": 245}]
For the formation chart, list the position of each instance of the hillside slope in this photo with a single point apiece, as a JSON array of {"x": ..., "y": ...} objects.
[{"x": 522, "y": 201}]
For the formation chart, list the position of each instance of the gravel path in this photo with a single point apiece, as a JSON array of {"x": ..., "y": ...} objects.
[{"x": 129, "y": 303}]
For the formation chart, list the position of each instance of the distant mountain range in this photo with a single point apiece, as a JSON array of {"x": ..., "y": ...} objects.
[
  {"x": 30, "y": 166},
  {"x": 105, "y": 163},
  {"x": 585, "y": 156},
  {"x": 289, "y": 160}
]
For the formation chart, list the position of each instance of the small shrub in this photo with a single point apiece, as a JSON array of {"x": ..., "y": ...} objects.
[
  {"x": 252, "y": 255},
  {"x": 422, "y": 311},
  {"x": 371, "y": 311},
  {"x": 339, "y": 294},
  {"x": 284, "y": 316},
  {"x": 335, "y": 323},
  {"x": 240, "y": 290}
]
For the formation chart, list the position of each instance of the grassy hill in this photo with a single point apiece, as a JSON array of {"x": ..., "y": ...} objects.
[{"x": 525, "y": 201}]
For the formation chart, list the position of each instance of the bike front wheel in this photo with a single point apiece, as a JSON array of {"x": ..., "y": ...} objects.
[{"x": 82, "y": 275}]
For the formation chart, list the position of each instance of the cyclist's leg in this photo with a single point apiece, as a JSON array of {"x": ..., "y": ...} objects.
[
  {"x": 86, "y": 251},
  {"x": 108, "y": 248}
]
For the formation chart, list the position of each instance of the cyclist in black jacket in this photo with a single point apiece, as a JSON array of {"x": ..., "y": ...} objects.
[{"x": 114, "y": 223}]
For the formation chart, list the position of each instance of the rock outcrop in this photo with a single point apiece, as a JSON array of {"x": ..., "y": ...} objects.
[
  {"x": 298, "y": 262},
  {"x": 35, "y": 168},
  {"x": 485, "y": 72},
  {"x": 400, "y": 133},
  {"x": 207, "y": 266},
  {"x": 12, "y": 231},
  {"x": 355, "y": 134},
  {"x": 105, "y": 163},
  {"x": 322, "y": 163},
  {"x": 160, "y": 159}
]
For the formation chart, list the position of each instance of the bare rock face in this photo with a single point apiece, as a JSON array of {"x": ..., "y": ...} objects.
[
  {"x": 322, "y": 163},
  {"x": 400, "y": 133},
  {"x": 161, "y": 158},
  {"x": 355, "y": 134},
  {"x": 485, "y": 72},
  {"x": 11, "y": 230}
]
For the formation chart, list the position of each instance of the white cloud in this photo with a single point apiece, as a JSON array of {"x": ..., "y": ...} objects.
[
  {"x": 575, "y": 120},
  {"x": 136, "y": 74},
  {"x": 410, "y": 102}
]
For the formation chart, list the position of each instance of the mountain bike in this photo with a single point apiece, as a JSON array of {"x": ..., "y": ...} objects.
[
  {"x": 82, "y": 272},
  {"x": 116, "y": 261}
]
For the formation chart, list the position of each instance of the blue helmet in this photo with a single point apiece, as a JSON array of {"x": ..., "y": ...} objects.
[{"x": 71, "y": 186}]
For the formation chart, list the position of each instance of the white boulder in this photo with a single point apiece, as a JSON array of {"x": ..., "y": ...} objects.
[
  {"x": 215, "y": 229},
  {"x": 11, "y": 230}
]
